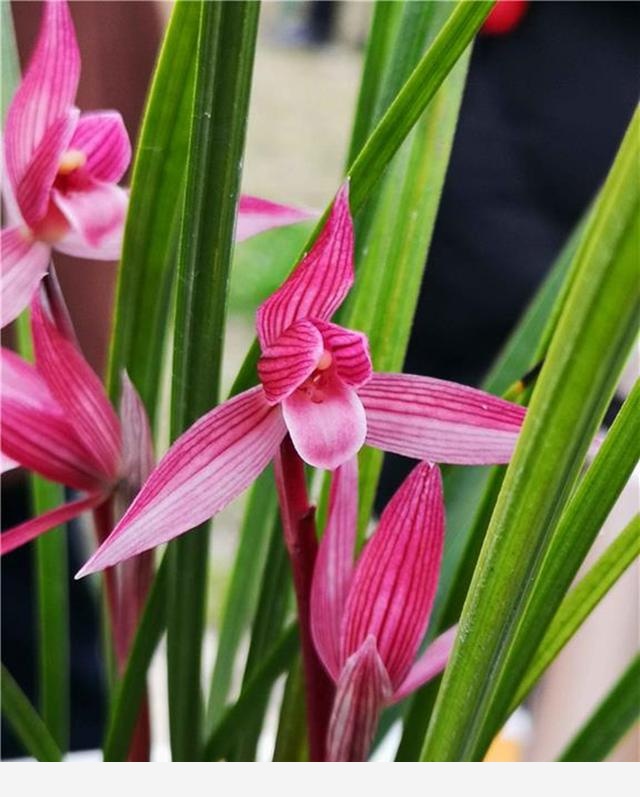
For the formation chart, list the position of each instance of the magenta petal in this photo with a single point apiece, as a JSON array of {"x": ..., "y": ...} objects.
[
  {"x": 362, "y": 691},
  {"x": 431, "y": 663},
  {"x": 47, "y": 90},
  {"x": 257, "y": 215},
  {"x": 30, "y": 529},
  {"x": 350, "y": 352},
  {"x": 396, "y": 576},
  {"x": 24, "y": 264},
  {"x": 137, "y": 441},
  {"x": 35, "y": 432},
  {"x": 334, "y": 566},
  {"x": 288, "y": 362},
  {"x": 77, "y": 389},
  {"x": 319, "y": 283},
  {"x": 97, "y": 213},
  {"x": 204, "y": 470},
  {"x": 7, "y": 464},
  {"x": 103, "y": 138},
  {"x": 328, "y": 427},
  {"x": 34, "y": 189},
  {"x": 425, "y": 418}
]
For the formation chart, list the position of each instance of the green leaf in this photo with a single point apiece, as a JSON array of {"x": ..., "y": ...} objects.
[
  {"x": 581, "y": 601},
  {"x": 254, "y": 695},
  {"x": 148, "y": 254},
  {"x": 242, "y": 597},
  {"x": 25, "y": 721},
  {"x": 9, "y": 55},
  {"x": 396, "y": 124},
  {"x": 585, "y": 358},
  {"x": 224, "y": 63},
  {"x": 127, "y": 696},
  {"x": 291, "y": 739},
  {"x": 610, "y": 721}
]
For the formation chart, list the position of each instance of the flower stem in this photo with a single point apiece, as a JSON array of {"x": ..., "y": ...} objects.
[{"x": 298, "y": 522}]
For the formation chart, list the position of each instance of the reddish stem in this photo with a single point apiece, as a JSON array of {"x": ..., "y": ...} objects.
[{"x": 298, "y": 521}]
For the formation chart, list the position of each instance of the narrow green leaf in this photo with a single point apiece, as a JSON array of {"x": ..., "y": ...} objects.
[
  {"x": 291, "y": 739},
  {"x": 25, "y": 721},
  {"x": 273, "y": 605},
  {"x": 581, "y": 601},
  {"x": 254, "y": 695},
  {"x": 224, "y": 63},
  {"x": 9, "y": 54},
  {"x": 585, "y": 358},
  {"x": 148, "y": 254},
  {"x": 579, "y": 525},
  {"x": 389, "y": 134},
  {"x": 242, "y": 596},
  {"x": 384, "y": 23},
  {"x": 610, "y": 721},
  {"x": 127, "y": 696}
]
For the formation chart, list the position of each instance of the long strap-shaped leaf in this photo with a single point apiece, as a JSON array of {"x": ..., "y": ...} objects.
[
  {"x": 224, "y": 64},
  {"x": 581, "y": 601},
  {"x": 25, "y": 720},
  {"x": 585, "y": 358},
  {"x": 610, "y": 721},
  {"x": 396, "y": 124}
]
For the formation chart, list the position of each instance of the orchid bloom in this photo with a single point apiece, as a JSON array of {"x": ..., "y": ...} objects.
[
  {"x": 57, "y": 421},
  {"x": 368, "y": 620},
  {"x": 62, "y": 168},
  {"x": 316, "y": 385}
]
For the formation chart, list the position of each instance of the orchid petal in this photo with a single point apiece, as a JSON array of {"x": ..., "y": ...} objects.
[
  {"x": 137, "y": 441},
  {"x": 203, "y": 471},
  {"x": 350, "y": 352},
  {"x": 327, "y": 427},
  {"x": 104, "y": 140},
  {"x": 426, "y": 418},
  {"x": 257, "y": 215},
  {"x": 97, "y": 213},
  {"x": 77, "y": 389},
  {"x": 319, "y": 283},
  {"x": 395, "y": 580},
  {"x": 334, "y": 566},
  {"x": 34, "y": 189},
  {"x": 431, "y": 663},
  {"x": 288, "y": 362},
  {"x": 30, "y": 529},
  {"x": 47, "y": 90},
  {"x": 362, "y": 691},
  {"x": 24, "y": 264},
  {"x": 7, "y": 464}
]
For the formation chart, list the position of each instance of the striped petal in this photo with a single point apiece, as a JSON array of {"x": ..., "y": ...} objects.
[
  {"x": 350, "y": 352},
  {"x": 34, "y": 189},
  {"x": 327, "y": 423},
  {"x": 257, "y": 215},
  {"x": 104, "y": 140},
  {"x": 362, "y": 691},
  {"x": 47, "y": 90},
  {"x": 425, "y": 418},
  {"x": 96, "y": 214},
  {"x": 137, "y": 441},
  {"x": 396, "y": 576},
  {"x": 203, "y": 471},
  {"x": 334, "y": 566},
  {"x": 77, "y": 389},
  {"x": 24, "y": 264},
  {"x": 431, "y": 663},
  {"x": 25, "y": 532},
  {"x": 288, "y": 362},
  {"x": 319, "y": 283}
]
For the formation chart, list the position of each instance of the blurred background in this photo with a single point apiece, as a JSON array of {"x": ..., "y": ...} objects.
[{"x": 550, "y": 90}]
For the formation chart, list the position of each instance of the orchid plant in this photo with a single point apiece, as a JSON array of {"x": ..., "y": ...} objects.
[{"x": 373, "y": 626}]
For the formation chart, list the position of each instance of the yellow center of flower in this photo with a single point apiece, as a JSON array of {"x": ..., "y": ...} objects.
[
  {"x": 325, "y": 361},
  {"x": 71, "y": 160}
]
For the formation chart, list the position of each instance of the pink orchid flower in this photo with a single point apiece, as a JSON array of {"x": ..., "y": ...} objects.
[
  {"x": 368, "y": 621},
  {"x": 317, "y": 386},
  {"x": 62, "y": 167},
  {"x": 57, "y": 421}
]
